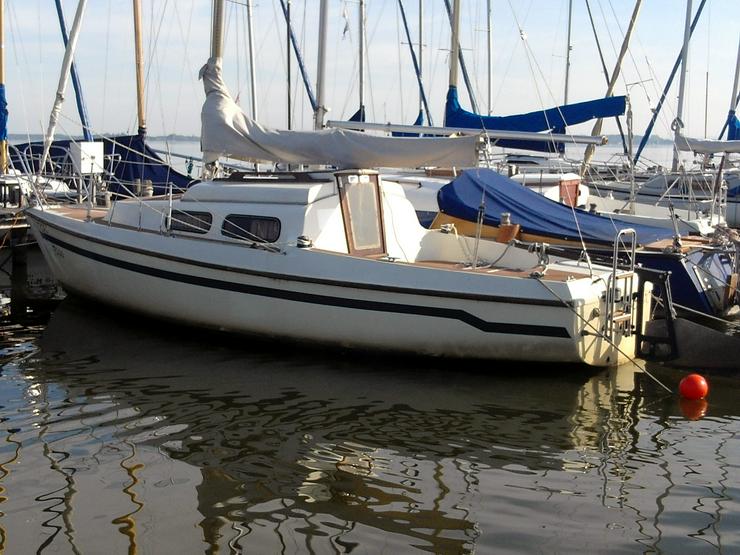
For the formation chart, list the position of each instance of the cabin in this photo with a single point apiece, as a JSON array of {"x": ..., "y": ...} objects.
[{"x": 352, "y": 212}]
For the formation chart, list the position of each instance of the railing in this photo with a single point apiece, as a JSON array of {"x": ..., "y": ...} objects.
[{"x": 620, "y": 288}]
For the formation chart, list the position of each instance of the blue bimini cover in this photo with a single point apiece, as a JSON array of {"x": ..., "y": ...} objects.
[
  {"x": 535, "y": 213},
  {"x": 553, "y": 120}
]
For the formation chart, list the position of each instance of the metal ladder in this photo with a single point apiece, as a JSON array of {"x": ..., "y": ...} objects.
[{"x": 621, "y": 288}]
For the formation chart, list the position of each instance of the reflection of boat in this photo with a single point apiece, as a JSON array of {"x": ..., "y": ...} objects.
[
  {"x": 281, "y": 441},
  {"x": 339, "y": 450}
]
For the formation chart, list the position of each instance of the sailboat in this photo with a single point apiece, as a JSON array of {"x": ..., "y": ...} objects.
[
  {"x": 703, "y": 273},
  {"x": 338, "y": 257}
]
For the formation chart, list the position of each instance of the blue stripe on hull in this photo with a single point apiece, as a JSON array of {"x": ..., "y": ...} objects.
[{"x": 325, "y": 300}]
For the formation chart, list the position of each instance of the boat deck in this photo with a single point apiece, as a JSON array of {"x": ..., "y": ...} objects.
[
  {"x": 80, "y": 213},
  {"x": 98, "y": 215},
  {"x": 687, "y": 243},
  {"x": 550, "y": 274}
]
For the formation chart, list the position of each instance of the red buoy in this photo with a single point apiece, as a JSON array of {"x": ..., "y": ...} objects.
[{"x": 693, "y": 386}]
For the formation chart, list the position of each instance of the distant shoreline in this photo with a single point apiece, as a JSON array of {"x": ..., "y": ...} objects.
[{"x": 22, "y": 138}]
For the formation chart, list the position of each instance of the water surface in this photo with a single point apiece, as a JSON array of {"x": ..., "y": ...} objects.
[{"x": 122, "y": 435}]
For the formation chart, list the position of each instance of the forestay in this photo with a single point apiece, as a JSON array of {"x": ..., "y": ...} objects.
[{"x": 228, "y": 131}]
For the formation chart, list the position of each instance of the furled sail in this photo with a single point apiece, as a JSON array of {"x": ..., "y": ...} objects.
[
  {"x": 228, "y": 131},
  {"x": 705, "y": 146},
  {"x": 554, "y": 119}
]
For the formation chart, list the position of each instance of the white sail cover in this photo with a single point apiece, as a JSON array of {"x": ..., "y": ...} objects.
[
  {"x": 227, "y": 131},
  {"x": 705, "y": 146}
]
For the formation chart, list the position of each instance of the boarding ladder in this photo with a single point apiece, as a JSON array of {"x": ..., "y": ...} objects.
[{"x": 621, "y": 288}]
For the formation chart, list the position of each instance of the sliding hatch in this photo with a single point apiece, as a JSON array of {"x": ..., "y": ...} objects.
[{"x": 362, "y": 210}]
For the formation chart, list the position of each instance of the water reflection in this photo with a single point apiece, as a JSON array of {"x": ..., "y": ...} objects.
[{"x": 119, "y": 436}]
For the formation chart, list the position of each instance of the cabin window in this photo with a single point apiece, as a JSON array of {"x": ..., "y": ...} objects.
[
  {"x": 191, "y": 222},
  {"x": 251, "y": 228},
  {"x": 362, "y": 213}
]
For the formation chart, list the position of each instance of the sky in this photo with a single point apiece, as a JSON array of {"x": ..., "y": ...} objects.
[{"x": 528, "y": 60}]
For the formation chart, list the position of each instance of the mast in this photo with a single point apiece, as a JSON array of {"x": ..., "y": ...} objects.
[
  {"x": 252, "y": 74},
  {"x": 139, "y": 68},
  {"x": 421, "y": 53},
  {"x": 320, "y": 110},
  {"x": 678, "y": 124},
  {"x": 417, "y": 65},
  {"x": 656, "y": 111},
  {"x": 361, "y": 34},
  {"x": 734, "y": 99},
  {"x": 461, "y": 59},
  {"x": 568, "y": 48},
  {"x": 612, "y": 83},
  {"x": 606, "y": 76},
  {"x": 489, "y": 25},
  {"x": 81, "y": 109},
  {"x": 3, "y": 101},
  {"x": 63, "y": 78},
  {"x": 736, "y": 84},
  {"x": 454, "y": 43},
  {"x": 288, "y": 61},
  {"x": 706, "y": 102},
  {"x": 298, "y": 57},
  {"x": 217, "y": 29}
]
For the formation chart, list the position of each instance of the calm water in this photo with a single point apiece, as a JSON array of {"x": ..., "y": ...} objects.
[{"x": 120, "y": 435}]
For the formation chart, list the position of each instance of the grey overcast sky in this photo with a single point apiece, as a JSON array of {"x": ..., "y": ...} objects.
[{"x": 527, "y": 74}]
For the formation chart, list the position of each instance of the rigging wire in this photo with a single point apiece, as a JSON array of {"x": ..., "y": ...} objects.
[
  {"x": 398, "y": 64},
  {"x": 19, "y": 46},
  {"x": 532, "y": 61},
  {"x": 369, "y": 37},
  {"x": 303, "y": 48},
  {"x": 608, "y": 340},
  {"x": 606, "y": 73},
  {"x": 186, "y": 61},
  {"x": 104, "y": 96}
]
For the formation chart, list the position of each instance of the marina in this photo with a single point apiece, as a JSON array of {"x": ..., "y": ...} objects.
[{"x": 237, "y": 321}]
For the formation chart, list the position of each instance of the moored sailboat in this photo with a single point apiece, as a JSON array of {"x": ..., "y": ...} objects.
[{"x": 338, "y": 257}]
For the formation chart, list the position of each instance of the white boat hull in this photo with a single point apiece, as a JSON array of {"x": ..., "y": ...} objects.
[{"x": 412, "y": 309}]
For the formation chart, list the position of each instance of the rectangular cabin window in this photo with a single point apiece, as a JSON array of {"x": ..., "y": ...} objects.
[
  {"x": 191, "y": 222},
  {"x": 362, "y": 212},
  {"x": 260, "y": 229}
]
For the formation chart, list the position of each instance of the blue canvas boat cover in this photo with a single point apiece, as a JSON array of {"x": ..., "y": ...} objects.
[
  {"x": 553, "y": 120},
  {"x": 128, "y": 157},
  {"x": 535, "y": 213},
  {"x": 3, "y": 115},
  {"x": 418, "y": 122},
  {"x": 733, "y": 128}
]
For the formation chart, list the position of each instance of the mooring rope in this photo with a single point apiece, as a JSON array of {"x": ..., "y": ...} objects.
[{"x": 598, "y": 333}]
